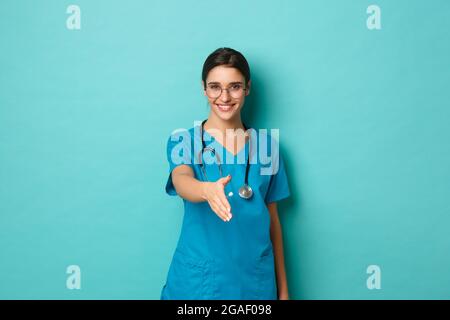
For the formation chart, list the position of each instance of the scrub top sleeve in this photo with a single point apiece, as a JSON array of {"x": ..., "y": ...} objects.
[
  {"x": 278, "y": 185},
  {"x": 179, "y": 151}
]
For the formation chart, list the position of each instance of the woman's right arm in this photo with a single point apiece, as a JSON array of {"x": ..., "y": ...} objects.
[{"x": 194, "y": 190}]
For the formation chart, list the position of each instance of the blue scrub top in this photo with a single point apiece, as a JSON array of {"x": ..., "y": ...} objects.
[{"x": 226, "y": 260}]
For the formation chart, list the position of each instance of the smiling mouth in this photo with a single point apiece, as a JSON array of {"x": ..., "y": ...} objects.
[{"x": 225, "y": 107}]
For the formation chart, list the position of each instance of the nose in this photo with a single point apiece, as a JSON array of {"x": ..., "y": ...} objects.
[{"x": 225, "y": 96}]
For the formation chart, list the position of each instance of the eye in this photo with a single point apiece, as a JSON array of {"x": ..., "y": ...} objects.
[
  {"x": 236, "y": 87},
  {"x": 214, "y": 87}
]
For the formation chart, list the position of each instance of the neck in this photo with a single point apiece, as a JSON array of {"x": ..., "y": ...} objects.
[{"x": 222, "y": 125}]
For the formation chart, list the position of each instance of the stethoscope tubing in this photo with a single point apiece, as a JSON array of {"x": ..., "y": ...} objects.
[{"x": 245, "y": 191}]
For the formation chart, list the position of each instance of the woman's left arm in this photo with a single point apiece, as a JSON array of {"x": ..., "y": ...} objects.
[{"x": 277, "y": 243}]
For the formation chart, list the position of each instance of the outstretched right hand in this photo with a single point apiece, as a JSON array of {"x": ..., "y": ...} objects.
[{"x": 214, "y": 193}]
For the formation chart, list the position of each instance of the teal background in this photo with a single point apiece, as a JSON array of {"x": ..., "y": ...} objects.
[{"x": 85, "y": 115}]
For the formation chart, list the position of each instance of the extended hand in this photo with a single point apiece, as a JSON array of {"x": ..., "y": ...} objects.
[{"x": 214, "y": 193}]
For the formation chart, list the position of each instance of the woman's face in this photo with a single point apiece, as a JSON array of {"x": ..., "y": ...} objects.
[{"x": 226, "y": 104}]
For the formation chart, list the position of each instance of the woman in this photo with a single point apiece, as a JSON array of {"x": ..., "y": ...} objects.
[{"x": 230, "y": 246}]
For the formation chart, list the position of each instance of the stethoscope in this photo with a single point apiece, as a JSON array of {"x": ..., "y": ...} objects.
[{"x": 245, "y": 192}]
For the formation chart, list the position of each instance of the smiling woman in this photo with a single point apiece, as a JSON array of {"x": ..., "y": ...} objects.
[
  {"x": 226, "y": 82},
  {"x": 230, "y": 247}
]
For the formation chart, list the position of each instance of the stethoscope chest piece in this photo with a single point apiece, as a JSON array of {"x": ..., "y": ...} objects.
[{"x": 245, "y": 191}]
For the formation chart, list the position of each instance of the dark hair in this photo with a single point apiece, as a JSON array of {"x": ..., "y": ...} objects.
[{"x": 226, "y": 57}]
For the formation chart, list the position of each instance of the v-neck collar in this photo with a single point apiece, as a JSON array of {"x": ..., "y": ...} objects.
[{"x": 213, "y": 140}]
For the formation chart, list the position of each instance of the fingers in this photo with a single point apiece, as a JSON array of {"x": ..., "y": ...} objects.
[
  {"x": 225, "y": 204},
  {"x": 218, "y": 211},
  {"x": 224, "y": 209}
]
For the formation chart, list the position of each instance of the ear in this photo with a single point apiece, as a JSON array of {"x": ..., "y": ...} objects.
[
  {"x": 203, "y": 87},
  {"x": 249, "y": 85}
]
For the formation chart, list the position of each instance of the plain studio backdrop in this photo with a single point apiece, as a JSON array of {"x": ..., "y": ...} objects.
[{"x": 86, "y": 110}]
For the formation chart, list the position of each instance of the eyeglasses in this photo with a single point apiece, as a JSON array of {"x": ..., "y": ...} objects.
[{"x": 214, "y": 90}]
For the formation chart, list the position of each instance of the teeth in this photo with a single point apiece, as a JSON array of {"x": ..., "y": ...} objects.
[{"x": 225, "y": 107}]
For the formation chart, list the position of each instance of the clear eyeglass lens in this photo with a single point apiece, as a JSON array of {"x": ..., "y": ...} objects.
[{"x": 214, "y": 91}]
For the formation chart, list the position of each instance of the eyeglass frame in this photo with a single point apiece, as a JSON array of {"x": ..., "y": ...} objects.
[{"x": 244, "y": 89}]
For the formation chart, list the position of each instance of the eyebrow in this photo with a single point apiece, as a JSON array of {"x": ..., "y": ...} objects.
[{"x": 231, "y": 83}]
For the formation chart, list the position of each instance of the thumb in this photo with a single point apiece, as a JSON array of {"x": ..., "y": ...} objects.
[{"x": 225, "y": 180}]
